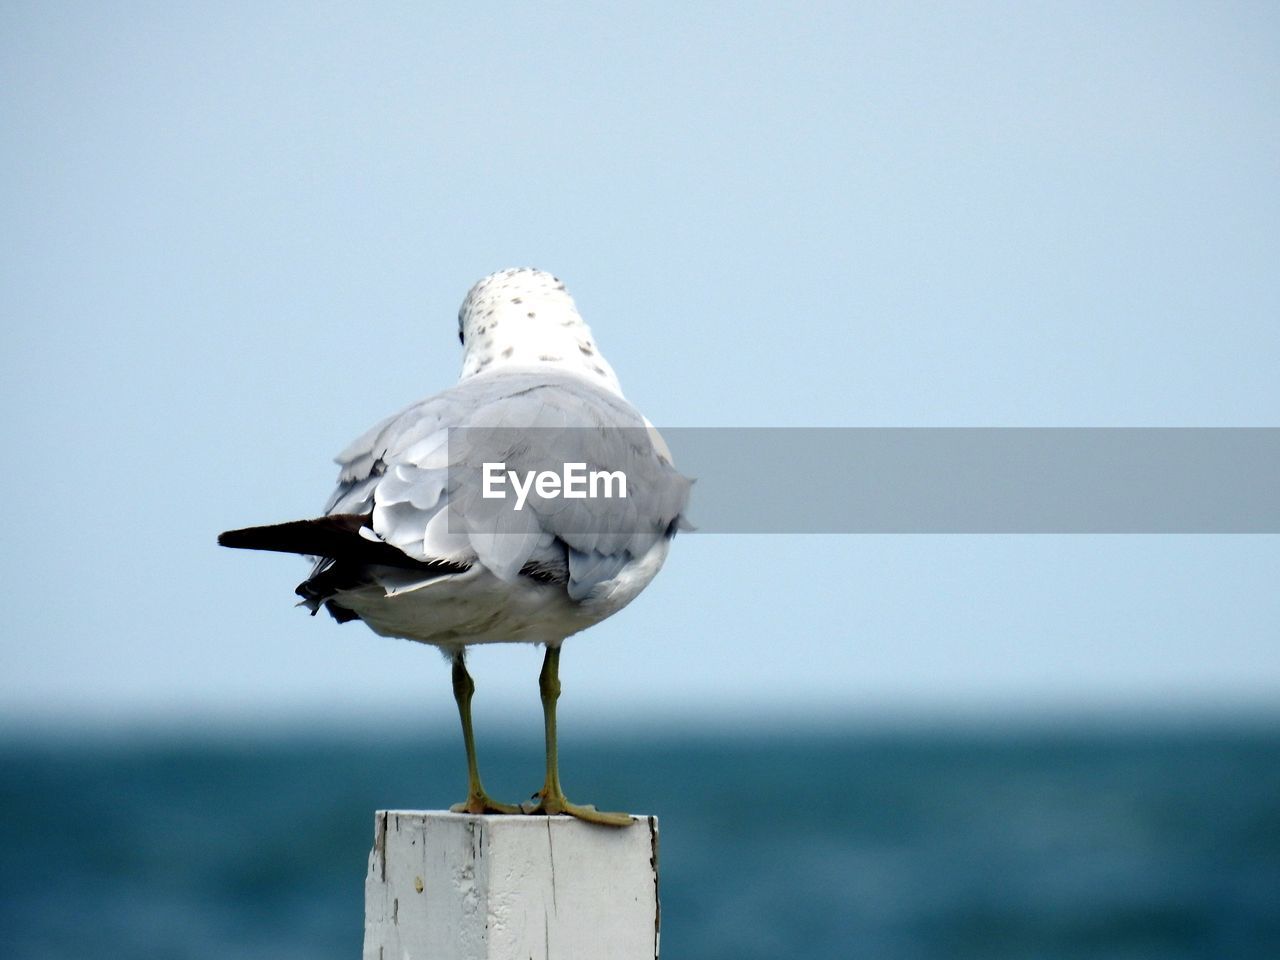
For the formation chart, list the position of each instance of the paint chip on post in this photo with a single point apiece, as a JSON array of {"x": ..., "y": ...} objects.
[{"x": 453, "y": 886}]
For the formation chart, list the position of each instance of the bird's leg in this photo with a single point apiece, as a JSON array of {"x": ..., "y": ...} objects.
[
  {"x": 477, "y": 800},
  {"x": 549, "y": 688},
  {"x": 551, "y": 798}
]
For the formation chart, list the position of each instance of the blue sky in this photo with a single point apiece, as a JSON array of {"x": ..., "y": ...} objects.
[{"x": 237, "y": 234}]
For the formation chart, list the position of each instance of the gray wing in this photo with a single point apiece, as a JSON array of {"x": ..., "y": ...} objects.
[{"x": 419, "y": 476}]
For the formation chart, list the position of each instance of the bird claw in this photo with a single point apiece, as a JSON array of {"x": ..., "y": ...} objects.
[
  {"x": 482, "y": 803},
  {"x": 551, "y": 806}
]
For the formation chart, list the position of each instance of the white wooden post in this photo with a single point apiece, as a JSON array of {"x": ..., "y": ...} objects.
[{"x": 453, "y": 886}]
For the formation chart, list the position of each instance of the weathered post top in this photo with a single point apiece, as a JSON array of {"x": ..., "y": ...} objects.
[{"x": 455, "y": 886}]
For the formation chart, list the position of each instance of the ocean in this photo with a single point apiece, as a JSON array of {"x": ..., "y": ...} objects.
[{"x": 1094, "y": 841}]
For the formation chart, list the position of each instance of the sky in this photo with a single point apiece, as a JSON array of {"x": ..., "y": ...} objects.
[{"x": 235, "y": 235}]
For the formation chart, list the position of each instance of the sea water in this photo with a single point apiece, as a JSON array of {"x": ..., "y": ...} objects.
[{"x": 1097, "y": 842}]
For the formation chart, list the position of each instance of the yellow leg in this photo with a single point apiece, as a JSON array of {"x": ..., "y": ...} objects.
[
  {"x": 551, "y": 798},
  {"x": 477, "y": 800}
]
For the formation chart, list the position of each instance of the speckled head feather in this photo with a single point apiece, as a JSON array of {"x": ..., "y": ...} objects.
[{"x": 524, "y": 319}]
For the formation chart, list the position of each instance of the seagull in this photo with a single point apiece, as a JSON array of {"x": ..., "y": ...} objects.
[{"x": 428, "y": 538}]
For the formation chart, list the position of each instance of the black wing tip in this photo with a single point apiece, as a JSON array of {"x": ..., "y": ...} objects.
[
  {"x": 309, "y": 537},
  {"x": 274, "y": 536},
  {"x": 233, "y": 538}
]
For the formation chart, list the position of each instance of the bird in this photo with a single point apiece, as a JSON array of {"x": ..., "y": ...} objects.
[{"x": 427, "y": 538}]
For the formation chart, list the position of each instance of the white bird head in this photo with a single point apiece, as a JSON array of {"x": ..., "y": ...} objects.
[{"x": 525, "y": 319}]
